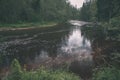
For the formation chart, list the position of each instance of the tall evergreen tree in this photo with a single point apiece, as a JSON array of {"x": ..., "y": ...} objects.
[{"x": 108, "y": 9}]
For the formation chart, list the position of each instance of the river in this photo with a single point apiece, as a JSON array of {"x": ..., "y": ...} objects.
[{"x": 73, "y": 43}]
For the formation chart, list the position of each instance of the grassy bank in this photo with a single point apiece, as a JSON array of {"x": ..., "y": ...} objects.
[
  {"x": 27, "y": 25},
  {"x": 16, "y": 73}
]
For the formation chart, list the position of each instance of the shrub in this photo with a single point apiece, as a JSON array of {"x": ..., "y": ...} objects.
[
  {"x": 115, "y": 22},
  {"x": 16, "y": 72},
  {"x": 107, "y": 74},
  {"x": 42, "y": 74}
]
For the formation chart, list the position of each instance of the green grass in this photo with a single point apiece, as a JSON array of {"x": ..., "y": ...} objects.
[
  {"x": 27, "y": 25},
  {"x": 107, "y": 73},
  {"x": 43, "y": 74},
  {"x": 17, "y": 73}
]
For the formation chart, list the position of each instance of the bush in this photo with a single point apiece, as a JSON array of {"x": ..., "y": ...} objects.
[
  {"x": 107, "y": 74},
  {"x": 115, "y": 59},
  {"x": 42, "y": 74},
  {"x": 16, "y": 72},
  {"x": 112, "y": 28},
  {"x": 115, "y": 22}
]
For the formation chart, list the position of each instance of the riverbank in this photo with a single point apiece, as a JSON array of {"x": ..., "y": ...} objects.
[
  {"x": 39, "y": 74},
  {"x": 23, "y": 26}
]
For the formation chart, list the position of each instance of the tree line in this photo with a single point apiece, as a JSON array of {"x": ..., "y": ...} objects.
[
  {"x": 15, "y": 11},
  {"x": 100, "y": 10}
]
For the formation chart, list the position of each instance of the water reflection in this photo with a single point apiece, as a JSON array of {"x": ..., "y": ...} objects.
[
  {"x": 76, "y": 42},
  {"x": 78, "y": 48},
  {"x": 42, "y": 57},
  {"x": 50, "y": 47}
]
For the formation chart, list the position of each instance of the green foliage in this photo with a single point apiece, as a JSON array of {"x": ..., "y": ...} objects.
[
  {"x": 0, "y": 59},
  {"x": 27, "y": 25},
  {"x": 115, "y": 22},
  {"x": 113, "y": 28},
  {"x": 101, "y": 10},
  {"x": 85, "y": 12},
  {"x": 88, "y": 11},
  {"x": 107, "y": 74},
  {"x": 108, "y": 9},
  {"x": 115, "y": 59},
  {"x": 10, "y": 10},
  {"x": 42, "y": 74},
  {"x": 15, "y": 11},
  {"x": 16, "y": 72}
]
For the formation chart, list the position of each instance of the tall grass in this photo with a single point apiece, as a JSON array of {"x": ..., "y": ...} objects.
[{"x": 17, "y": 73}]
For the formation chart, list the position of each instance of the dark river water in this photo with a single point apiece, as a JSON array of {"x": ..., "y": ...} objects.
[{"x": 72, "y": 44}]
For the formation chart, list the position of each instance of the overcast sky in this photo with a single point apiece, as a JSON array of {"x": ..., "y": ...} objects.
[{"x": 77, "y": 3}]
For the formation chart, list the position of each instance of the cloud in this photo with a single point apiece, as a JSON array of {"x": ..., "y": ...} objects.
[{"x": 77, "y": 3}]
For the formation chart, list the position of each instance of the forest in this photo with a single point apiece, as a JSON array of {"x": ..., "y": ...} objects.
[
  {"x": 102, "y": 14},
  {"x": 18, "y": 11}
]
